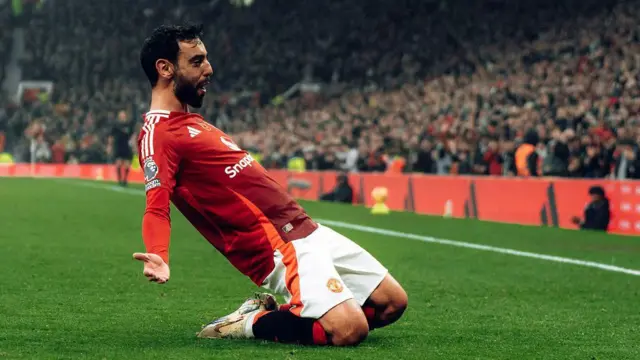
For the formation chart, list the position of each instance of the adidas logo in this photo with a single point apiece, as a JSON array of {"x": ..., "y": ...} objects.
[{"x": 193, "y": 132}]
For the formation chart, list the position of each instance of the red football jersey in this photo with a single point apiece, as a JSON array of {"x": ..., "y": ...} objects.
[{"x": 227, "y": 196}]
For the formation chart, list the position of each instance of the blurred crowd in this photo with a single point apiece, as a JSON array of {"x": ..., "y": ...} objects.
[
  {"x": 5, "y": 38},
  {"x": 418, "y": 86}
]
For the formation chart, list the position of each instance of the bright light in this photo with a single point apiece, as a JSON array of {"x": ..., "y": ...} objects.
[{"x": 241, "y": 3}]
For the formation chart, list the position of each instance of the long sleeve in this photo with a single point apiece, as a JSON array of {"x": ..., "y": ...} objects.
[
  {"x": 597, "y": 217},
  {"x": 156, "y": 223},
  {"x": 160, "y": 162}
]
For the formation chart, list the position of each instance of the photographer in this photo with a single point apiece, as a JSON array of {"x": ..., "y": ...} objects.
[
  {"x": 597, "y": 213},
  {"x": 341, "y": 193}
]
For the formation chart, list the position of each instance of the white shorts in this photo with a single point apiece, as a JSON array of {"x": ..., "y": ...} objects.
[{"x": 318, "y": 272}]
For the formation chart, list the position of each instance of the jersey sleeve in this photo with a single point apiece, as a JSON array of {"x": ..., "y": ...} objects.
[{"x": 159, "y": 160}]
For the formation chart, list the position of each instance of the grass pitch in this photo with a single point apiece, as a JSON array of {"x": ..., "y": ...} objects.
[{"x": 70, "y": 290}]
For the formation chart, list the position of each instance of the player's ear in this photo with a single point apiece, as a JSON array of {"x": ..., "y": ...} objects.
[{"x": 165, "y": 69}]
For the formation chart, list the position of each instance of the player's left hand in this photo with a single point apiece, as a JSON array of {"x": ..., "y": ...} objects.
[{"x": 155, "y": 269}]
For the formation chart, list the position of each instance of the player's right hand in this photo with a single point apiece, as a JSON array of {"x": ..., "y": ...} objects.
[{"x": 155, "y": 269}]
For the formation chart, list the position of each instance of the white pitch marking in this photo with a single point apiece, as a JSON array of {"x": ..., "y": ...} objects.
[{"x": 427, "y": 239}]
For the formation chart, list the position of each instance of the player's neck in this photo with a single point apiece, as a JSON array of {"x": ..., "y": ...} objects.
[{"x": 163, "y": 100}]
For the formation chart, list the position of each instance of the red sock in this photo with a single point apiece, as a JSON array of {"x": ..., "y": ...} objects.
[
  {"x": 370, "y": 314},
  {"x": 319, "y": 335},
  {"x": 285, "y": 327}
]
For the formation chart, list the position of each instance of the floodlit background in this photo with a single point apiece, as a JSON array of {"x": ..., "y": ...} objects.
[{"x": 430, "y": 99}]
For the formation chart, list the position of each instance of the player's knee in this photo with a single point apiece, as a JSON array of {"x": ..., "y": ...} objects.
[
  {"x": 353, "y": 333},
  {"x": 395, "y": 305},
  {"x": 398, "y": 304},
  {"x": 346, "y": 324}
]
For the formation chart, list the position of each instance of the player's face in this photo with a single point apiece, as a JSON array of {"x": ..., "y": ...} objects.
[{"x": 193, "y": 73}]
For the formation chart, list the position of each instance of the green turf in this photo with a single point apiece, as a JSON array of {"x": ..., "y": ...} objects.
[{"x": 70, "y": 290}]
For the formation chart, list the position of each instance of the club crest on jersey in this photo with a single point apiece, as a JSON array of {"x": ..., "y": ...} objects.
[
  {"x": 150, "y": 170},
  {"x": 205, "y": 125},
  {"x": 230, "y": 144}
]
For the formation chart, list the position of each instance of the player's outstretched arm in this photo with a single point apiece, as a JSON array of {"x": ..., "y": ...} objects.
[
  {"x": 156, "y": 234},
  {"x": 156, "y": 223},
  {"x": 155, "y": 269},
  {"x": 159, "y": 160}
]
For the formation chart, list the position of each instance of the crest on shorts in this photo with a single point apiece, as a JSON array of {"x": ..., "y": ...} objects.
[
  {"x": 150, "y": 169},
  {"x": 334, "y": 285}
]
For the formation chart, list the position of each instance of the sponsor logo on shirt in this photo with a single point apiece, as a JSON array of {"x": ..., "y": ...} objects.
[
  {"x": 193, "y": 132},
  {"x": 234, "y": 170},
  {"x": 230, "y": 144}
]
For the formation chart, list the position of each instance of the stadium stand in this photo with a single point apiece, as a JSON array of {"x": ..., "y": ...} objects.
[{"x": 359, "y": 85}]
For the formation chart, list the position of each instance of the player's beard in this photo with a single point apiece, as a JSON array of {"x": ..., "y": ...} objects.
[{"x": 187, "y": 92}]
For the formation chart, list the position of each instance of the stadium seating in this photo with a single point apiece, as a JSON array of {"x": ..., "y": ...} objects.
[{"x": 426, "y": 87}]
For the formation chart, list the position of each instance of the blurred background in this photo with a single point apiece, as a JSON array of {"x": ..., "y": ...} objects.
[
  {"x": 426, "y": 86},
  {"x": 496, "y": 89}
]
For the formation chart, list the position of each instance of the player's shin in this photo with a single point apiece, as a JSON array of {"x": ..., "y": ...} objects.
[
  {"x": 119, "y": 172},
  {"x": 380, "y": 317},
  {"x": 125, "y": 176},
  {"x": 285, "y": 327}
]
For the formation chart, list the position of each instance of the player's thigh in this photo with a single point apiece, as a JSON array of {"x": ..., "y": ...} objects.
[
  {"x": 361, "y": 272},
  {"x": 305, "y": 275},
  {"x": 123, "y": 156}
]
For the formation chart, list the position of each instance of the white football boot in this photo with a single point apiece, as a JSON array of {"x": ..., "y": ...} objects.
[{"x": 238, "y": 324}]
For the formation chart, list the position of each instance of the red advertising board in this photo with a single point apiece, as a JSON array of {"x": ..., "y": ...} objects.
[{"x": 540, "y": 201}]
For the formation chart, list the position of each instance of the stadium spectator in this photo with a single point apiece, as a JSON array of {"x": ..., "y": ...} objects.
[
  {"x": 383, "y": 100},
  {"x": 627, "y": 161}
]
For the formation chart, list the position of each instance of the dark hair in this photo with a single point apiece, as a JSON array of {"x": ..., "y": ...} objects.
[
  {"x": 163, "y": 44},
  {"x": 596, "y": 190},
  {"x": 532, "y": 137}
]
